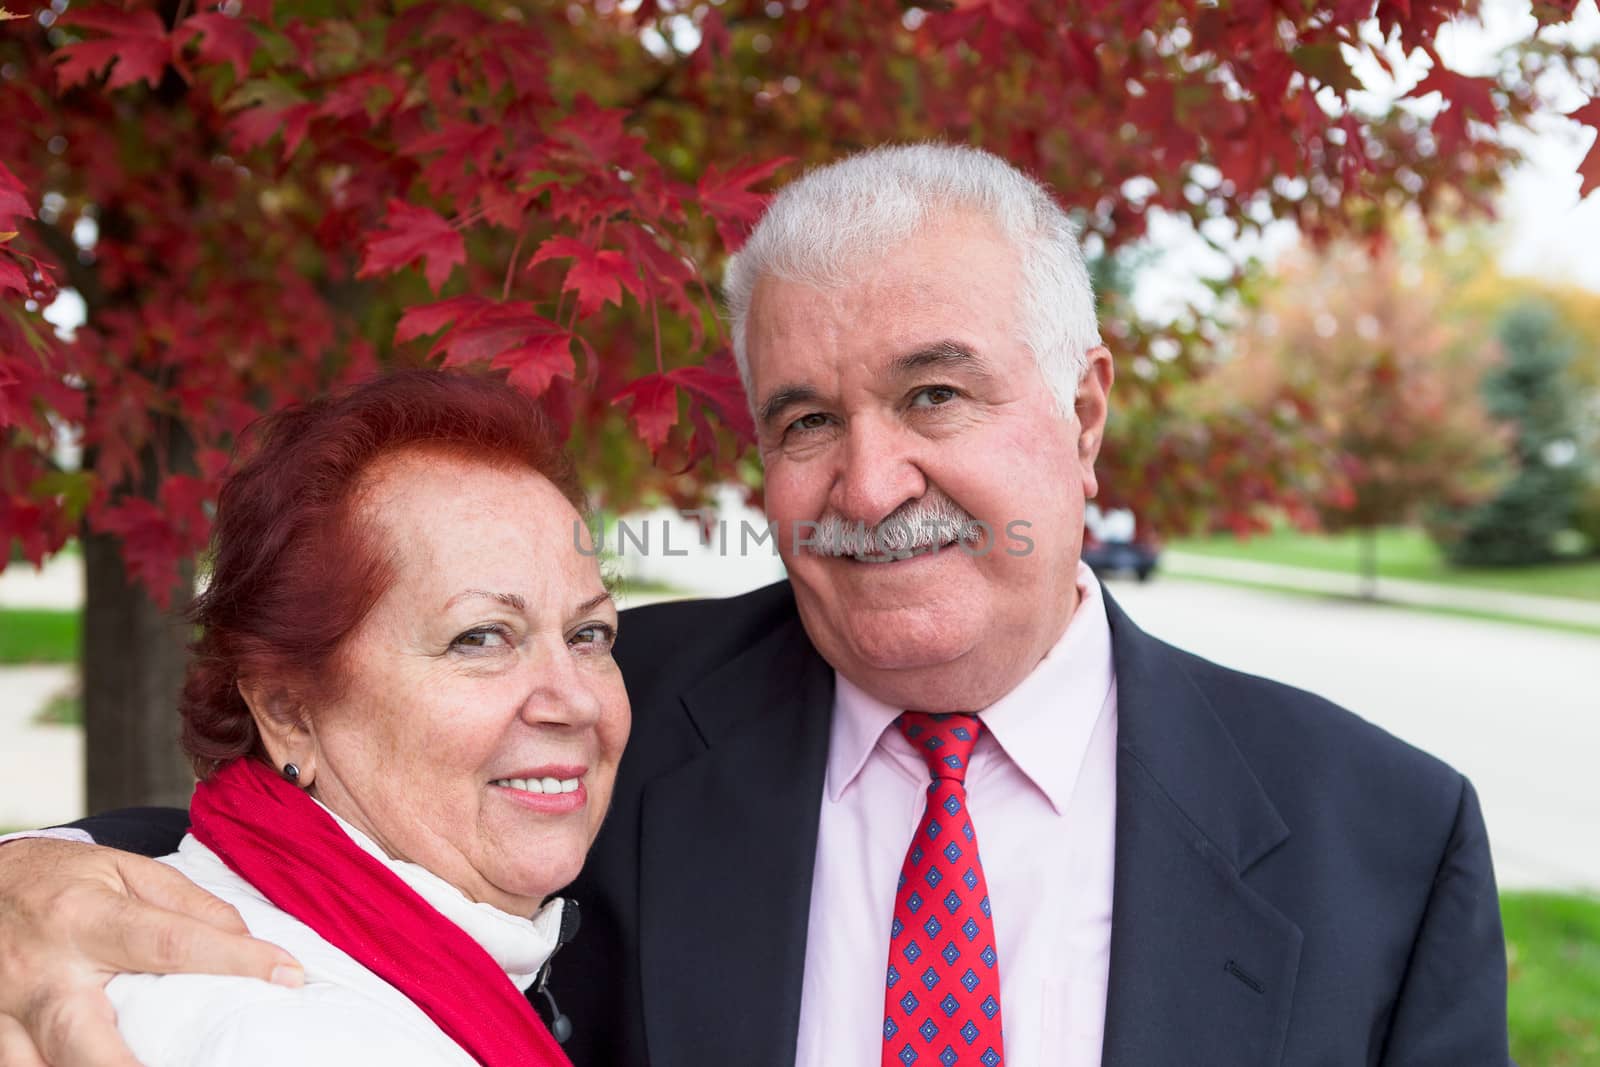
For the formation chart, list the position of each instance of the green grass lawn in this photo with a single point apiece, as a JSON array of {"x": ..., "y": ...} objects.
[
  {"x": 38, "y": 636},
  {"x": 1553, "y": 947},
  {"x": 1402, "y": 553}
]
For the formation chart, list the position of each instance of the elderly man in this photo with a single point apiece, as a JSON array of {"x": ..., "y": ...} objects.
[{"x": 936, "y": 800}]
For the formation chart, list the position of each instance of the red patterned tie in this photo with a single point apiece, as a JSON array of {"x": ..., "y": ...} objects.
[{"x": 943, "y": 1001}]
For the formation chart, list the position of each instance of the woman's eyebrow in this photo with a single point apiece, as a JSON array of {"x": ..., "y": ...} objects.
[
  {"x": 594, "y": 602},
  {"x": 511, "y": 600}
]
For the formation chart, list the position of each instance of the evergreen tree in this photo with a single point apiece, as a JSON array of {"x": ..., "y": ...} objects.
[{"x": 1530, "y": 393}]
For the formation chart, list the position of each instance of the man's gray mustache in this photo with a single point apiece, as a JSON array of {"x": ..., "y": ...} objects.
[{"x": 921, "y": 525}]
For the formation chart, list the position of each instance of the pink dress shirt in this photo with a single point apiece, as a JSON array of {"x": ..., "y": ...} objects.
[{"x": 1042, "y": 792}]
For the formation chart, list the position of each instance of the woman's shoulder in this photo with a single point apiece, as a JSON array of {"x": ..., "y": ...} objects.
[
  {"x": 184, "y": 1020},
  {"x": 343, "y": 1014}
]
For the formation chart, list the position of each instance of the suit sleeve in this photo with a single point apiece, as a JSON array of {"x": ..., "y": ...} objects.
[
  {"x": 146, "y": 831},
  {"x": 1451, "y": 1010}
]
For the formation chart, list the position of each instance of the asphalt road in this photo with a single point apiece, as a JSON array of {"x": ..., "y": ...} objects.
[{"x": 1515, "y": 708}]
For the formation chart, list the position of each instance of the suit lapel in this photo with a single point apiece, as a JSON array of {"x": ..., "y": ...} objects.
[
  {"x": 1202, "y": 969},
  {"x": 722, "y": 947}
]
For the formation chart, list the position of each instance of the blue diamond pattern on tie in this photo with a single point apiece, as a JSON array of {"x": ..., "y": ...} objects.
[{"x": 961, "y": 980}]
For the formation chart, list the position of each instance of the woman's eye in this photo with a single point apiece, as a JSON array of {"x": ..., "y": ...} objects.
[
  {"x": 482, "y": 637},
  {"x": 596, "y": 636},
  {"x": 932, "y": 396}
]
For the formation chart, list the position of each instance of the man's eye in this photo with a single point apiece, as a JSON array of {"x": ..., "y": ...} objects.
[
  {"x": 814, "y": 420},
  {"x": 481, "y": 637},
  {"x": 594, "y": 637},
  {"x": 932, "y": 396}
]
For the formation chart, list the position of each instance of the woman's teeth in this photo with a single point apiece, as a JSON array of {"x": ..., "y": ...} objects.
[{"x": 539, "y": 785}]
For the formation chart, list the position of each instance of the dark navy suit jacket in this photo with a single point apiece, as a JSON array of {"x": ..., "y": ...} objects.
[{"x": 1293, "y": 886}]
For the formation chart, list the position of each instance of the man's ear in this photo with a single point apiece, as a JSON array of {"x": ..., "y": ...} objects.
[
  {"x": 1092, "y": 406},
  {"x": 281, "y": 722}
]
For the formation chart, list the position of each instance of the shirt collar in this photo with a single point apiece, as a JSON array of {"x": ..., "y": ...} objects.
[{"x": 1043, "y": 725}]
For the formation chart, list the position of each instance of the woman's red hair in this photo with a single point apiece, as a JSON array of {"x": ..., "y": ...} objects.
[{"x": 292, "y": 571}]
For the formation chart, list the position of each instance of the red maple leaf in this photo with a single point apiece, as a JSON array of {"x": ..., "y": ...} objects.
[
  {"x": 1464, "y": 98},
  {"x": 538, "y": 361},
  {"x": 14, "y": 203},
  {"x": 414, "y": 233},
  {"x": 598, "y": 276},
  {"x": 255, "y": 126},
  {"x": 727, "y": 199},
  {"x": 1589, "y": 169},
  {"x": 136, "y": 42},
  {"x": 223, "y": 39},
  {"x": 425, "y": 319},
  {"x": 12, "y": 277},
  {"x": 653, "y": 404},
  {"x": 151, "y": 546},
  {"x": 717, "y": 385}
]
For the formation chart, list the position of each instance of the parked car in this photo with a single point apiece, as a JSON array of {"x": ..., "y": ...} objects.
[
  {"x": 1114, "y": 544},
  {"x": 1138, "y": 558}
]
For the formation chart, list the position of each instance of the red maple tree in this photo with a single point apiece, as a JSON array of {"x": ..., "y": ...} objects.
[{"x": 257, "y": 201}]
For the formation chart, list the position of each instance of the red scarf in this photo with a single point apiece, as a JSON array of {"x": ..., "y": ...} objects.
[{"x": 282, "y": 842}]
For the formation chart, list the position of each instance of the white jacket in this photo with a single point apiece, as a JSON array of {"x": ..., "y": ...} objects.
[{"x": 344, "y": 1016}]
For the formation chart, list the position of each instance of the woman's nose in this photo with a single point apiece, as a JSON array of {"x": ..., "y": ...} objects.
[{"x": 562, "y": 692}]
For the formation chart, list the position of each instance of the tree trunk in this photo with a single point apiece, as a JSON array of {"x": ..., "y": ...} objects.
[
  {"x": 1369, "y": 563},
  {"x": 134, "y": 655},
  {"x": 133, "y": 663}
]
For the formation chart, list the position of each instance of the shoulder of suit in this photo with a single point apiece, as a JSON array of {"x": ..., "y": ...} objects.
[
  {"x": 1296, "y": 736},
  {"x": 687, "y": 638}
]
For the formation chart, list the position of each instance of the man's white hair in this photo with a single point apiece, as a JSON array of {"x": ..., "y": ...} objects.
[{"x": 820, "y": 227}]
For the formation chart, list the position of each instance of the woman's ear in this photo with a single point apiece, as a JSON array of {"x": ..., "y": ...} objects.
[{"x": 281, "y": 721}]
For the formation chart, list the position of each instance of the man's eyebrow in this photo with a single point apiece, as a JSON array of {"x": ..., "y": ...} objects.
[
  {"x": 510, "y": 600},
  {"x": 941, "y": 355},
  {"x": 785, "y": 396}
]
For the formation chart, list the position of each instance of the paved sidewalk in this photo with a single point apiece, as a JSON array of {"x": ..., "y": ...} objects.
[
  {"x": 1389, "y": 590},
  {"x": 41, "y": 767}
]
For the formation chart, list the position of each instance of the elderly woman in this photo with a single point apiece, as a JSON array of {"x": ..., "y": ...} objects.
[{"x": 406, "y": 721}]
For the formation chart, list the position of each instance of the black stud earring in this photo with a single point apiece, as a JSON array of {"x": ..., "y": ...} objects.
[{"x": 291, "y": 772}]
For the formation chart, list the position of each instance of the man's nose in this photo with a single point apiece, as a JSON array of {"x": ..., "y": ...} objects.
[{"x": 878, "y": 472}]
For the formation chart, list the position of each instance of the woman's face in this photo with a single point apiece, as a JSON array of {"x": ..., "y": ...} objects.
[{"x": 482, "y": 715}]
